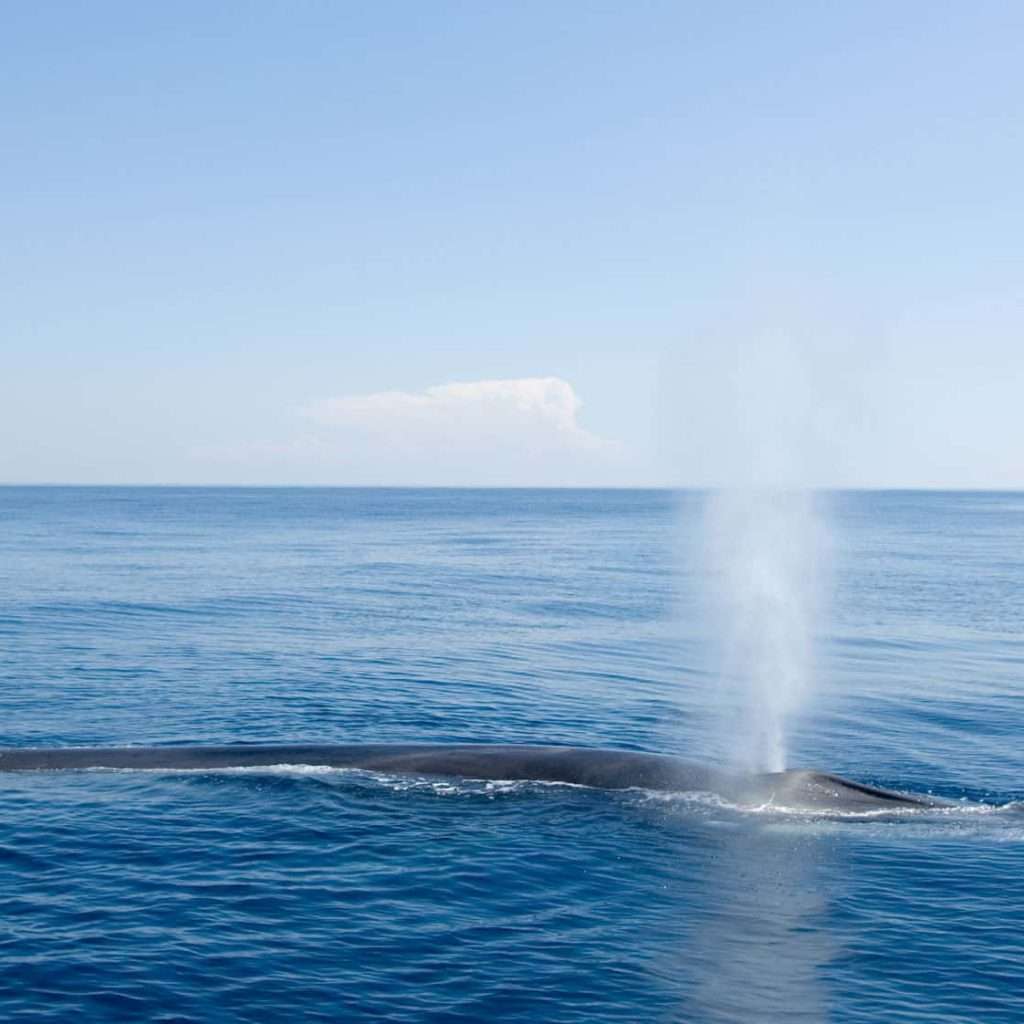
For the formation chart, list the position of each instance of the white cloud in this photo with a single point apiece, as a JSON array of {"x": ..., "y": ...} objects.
[
  {"x": 542, "y": 409},
  {"x": 518, "y": 431}
]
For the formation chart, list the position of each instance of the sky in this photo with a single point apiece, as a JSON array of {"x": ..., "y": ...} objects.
[{"x": 532, "y": 243}]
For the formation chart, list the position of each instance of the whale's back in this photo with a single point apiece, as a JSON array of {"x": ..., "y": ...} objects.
[{"x": 583, "y": 766}]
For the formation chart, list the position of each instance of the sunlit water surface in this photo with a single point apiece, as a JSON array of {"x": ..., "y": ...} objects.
[{"x": 176, "y": 615}]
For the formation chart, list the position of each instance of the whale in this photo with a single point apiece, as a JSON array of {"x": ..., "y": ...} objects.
[{"x": 592, "y": 767}]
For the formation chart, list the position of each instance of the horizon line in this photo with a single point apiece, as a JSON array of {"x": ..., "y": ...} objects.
[{"x": 668, "y": 488}]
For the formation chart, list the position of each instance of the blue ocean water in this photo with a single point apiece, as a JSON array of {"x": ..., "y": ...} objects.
[{"x": 206, "y": 615}]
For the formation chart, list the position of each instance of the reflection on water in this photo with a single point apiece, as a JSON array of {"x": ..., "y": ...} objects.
[{"x": 758, "y": 944}]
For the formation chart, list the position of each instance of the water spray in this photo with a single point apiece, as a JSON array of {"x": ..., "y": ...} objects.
[{"x": 767, "y": 553}]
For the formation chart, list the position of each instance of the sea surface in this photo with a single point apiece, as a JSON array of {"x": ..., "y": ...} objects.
[{"x": 172, "y": 616}]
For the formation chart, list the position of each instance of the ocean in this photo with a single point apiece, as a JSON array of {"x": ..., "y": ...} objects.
[{"x": 184, "y": 615}]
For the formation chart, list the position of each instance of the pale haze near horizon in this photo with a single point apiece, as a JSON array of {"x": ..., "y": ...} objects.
[{"x": 531, "y": 244}]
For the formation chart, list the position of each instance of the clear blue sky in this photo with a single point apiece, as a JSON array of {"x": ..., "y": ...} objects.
[{"x": 260, "y": 242}]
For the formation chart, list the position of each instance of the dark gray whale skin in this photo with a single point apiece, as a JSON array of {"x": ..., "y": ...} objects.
[{"x": 581, "y": 766}]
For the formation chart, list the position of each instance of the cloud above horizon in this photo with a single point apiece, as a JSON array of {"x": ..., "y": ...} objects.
[{"x": 513, "y": 431}]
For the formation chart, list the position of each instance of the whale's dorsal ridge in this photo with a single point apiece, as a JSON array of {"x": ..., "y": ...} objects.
[{"x": 585, "y": 766}]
